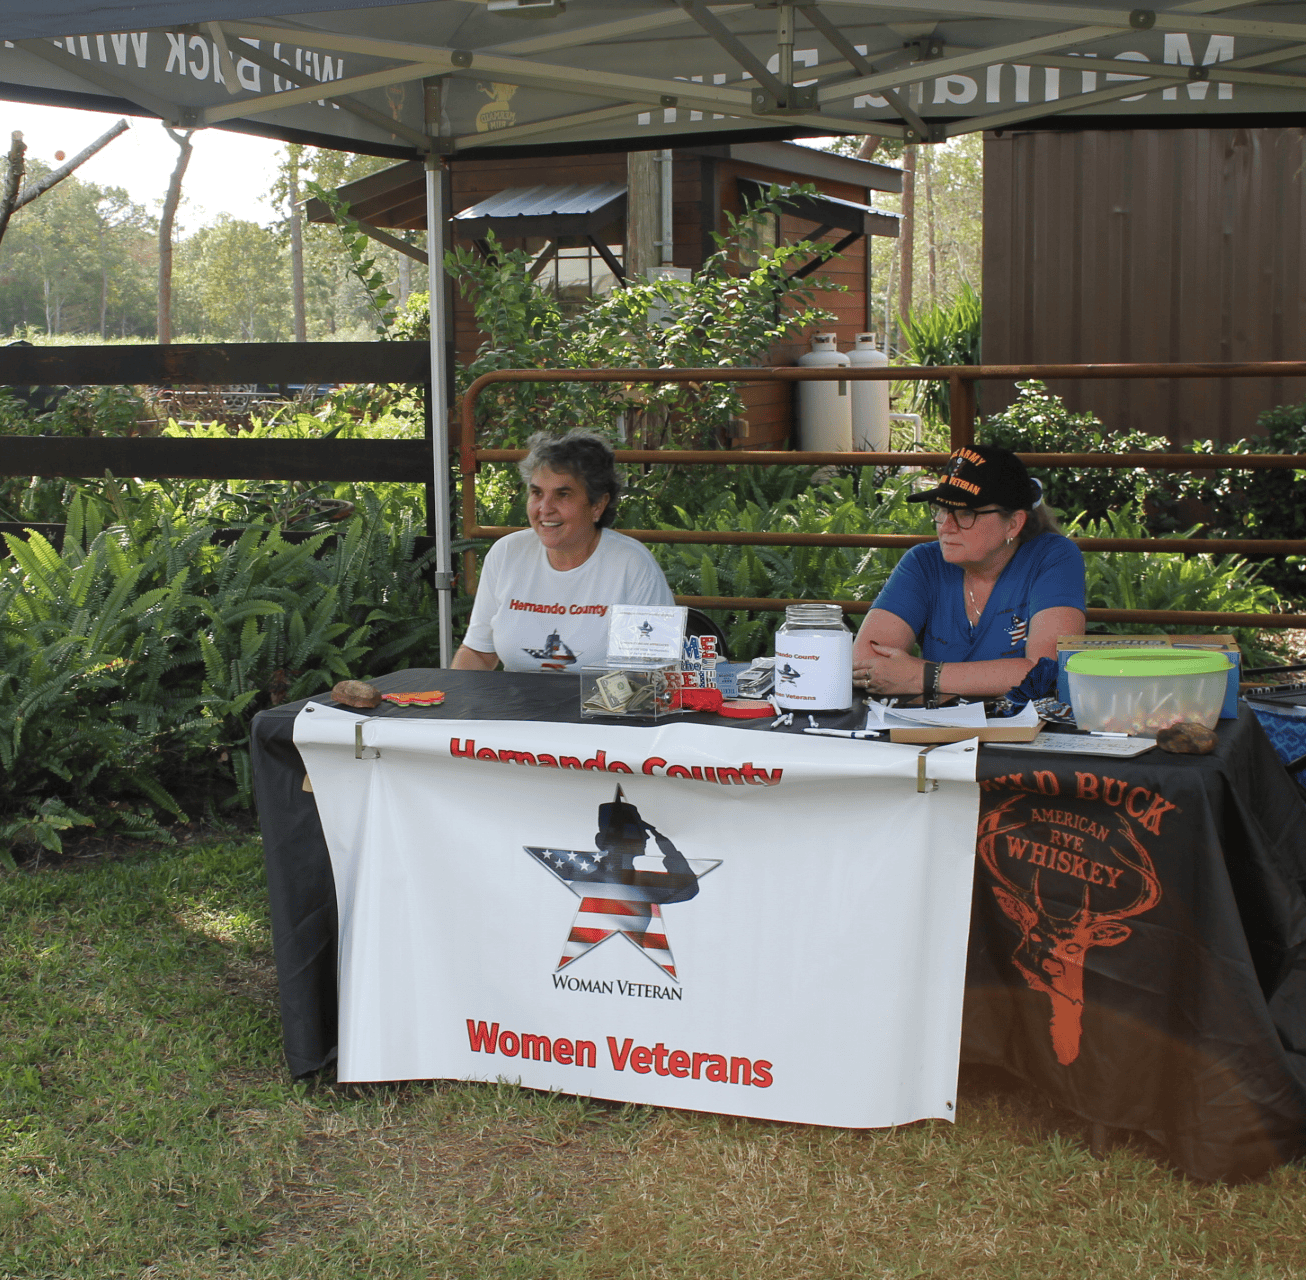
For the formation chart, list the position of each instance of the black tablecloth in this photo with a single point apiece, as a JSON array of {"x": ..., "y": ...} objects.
[{"x": 1138, "y": 939}]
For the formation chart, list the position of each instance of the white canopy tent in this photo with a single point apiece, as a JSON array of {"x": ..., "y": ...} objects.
[
  {"x": 429, "y": 79},
  {"x": 478, "y": 76}
]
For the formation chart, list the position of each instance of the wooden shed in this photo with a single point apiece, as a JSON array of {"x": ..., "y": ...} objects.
[
  {"x": 1143, "y": 245},
  {"x": 572, "y": 210}
]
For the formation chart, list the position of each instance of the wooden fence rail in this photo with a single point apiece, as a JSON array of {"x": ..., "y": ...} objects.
[
  {"x": 961, "y": 381},
  {"x": 227, "y": 364},
  {"x": 156, "y": 458},
  {"x": 216, "y": 364},
  {"x": 281, "y": 364}
]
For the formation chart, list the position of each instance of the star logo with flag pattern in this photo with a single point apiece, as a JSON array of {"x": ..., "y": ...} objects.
[{"x": 619, "y": 892}]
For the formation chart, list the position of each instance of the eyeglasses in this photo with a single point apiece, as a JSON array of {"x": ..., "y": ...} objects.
[{"x": 963, "y": 516}]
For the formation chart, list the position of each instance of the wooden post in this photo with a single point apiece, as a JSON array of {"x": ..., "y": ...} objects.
[
  {"x": 961, "y": 391},
  {"x": 907, "y": 234},
  {"x": 709, "y": 206},
  {"x": 642, "y": 213}
]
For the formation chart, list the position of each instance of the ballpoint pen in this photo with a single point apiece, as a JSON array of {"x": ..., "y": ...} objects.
[{"x": 846, "y": 733}]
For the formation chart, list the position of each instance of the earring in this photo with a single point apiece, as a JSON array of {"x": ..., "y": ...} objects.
[{"x": 1007, "y": 543}]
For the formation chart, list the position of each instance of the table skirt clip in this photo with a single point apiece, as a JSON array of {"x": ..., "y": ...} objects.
[
  {"x": 923, "y": 783},
  {"x": 358, "y": 744}
]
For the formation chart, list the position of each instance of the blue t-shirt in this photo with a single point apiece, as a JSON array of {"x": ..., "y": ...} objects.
[{"x": 926, "y": 592}]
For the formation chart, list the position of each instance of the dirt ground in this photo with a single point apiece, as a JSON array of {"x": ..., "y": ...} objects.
[{"x": 81, "y": 850}]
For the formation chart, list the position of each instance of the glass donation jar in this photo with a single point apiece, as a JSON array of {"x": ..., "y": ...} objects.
[{"x": 814, "y": 659}]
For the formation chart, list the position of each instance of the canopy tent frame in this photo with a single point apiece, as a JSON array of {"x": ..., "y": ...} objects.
[{"x": 827, "y": 101}]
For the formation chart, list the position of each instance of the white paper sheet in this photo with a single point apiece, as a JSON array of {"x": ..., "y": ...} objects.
[{"x": 969, "y": 715}]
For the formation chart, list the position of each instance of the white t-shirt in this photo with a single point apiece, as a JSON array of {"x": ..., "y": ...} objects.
[{"x": 538, "y": 618}]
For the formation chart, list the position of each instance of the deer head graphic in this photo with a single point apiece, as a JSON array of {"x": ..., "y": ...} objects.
[{"x": 1050, "y": 954}]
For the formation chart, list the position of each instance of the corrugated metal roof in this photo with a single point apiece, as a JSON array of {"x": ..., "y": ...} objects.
[{"x": 545, "y": 201}]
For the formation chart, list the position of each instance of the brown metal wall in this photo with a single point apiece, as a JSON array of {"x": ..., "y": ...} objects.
[{"x": 1148, "y": 245}]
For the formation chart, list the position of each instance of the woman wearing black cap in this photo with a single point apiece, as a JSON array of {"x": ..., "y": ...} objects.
[{"x": 985, "y": 601}]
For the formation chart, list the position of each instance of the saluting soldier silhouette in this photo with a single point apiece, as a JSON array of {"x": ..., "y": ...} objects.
[{"x": 622, "y": 837}]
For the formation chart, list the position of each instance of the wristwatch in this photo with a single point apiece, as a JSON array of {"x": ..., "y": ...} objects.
[{"x": 930, "y": 689}]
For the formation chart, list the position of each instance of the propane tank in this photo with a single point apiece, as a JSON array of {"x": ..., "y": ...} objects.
[
  {"x": 825, "y": 416},
  {"x": 870, "y": 399}
]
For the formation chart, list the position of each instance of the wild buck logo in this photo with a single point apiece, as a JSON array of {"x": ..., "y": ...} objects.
[{"x": 1052, "y": 947}]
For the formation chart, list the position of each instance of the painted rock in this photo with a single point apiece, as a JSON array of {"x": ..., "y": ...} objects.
[
  {"x": 356, "y": 693},
  {"x": 1187, "y": 739}
]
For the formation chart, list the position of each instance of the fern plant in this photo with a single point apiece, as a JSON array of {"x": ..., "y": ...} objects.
[
  {"x": 135, "y": 656},
  {"x": 942, "y": 335},
  {"x": 1199, "y": 583},
  {"x": 799, "y": 572}
]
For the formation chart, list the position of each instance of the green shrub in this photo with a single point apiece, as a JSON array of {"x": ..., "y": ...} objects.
[
  {"x": 1268, "y": 504},
  {"x": 75, "y": 411},
  {"x": 804, "y": 500},
  {"x": 731, "y": 313},
  {"x": 72, "y": 411},
  {"x": 1198, "y": 583},
  {"x": 942, "y": 335},
  {"x": 774, "y": 499},
  {"x": 1039, "y": 422},
  {"x": 779, "y": 499},
  {"x": 135, "y": 658}
]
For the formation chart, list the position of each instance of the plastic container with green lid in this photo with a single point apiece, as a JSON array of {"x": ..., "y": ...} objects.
[{"x": 1144, "y": 690}]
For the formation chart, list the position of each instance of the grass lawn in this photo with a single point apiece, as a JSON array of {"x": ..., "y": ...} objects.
[{"x": 148, "y": 1128}]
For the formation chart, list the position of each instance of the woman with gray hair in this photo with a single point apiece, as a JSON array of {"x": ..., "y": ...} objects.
[{"x": 544, "y": 594}]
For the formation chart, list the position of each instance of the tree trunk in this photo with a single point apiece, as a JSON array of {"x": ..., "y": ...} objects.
[
  {"x": 929, "y": 226},
  {"x": 13, "y": 179},
  {"x": 643, "y": 212},
  {"x": 891, "y": 342},
  {"x": 104, "y": 287},
  {"x": 405, "y": 277},
  {"x": 907, "y": 231},
  {"x": 166, "y": 222},
  {"x": 296, "y": 244}
]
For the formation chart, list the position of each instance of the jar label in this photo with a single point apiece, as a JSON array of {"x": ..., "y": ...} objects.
[{"x": 814, "y": 670}]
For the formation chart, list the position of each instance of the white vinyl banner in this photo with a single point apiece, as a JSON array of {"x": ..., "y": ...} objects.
[{"x": 770, "y": 925}]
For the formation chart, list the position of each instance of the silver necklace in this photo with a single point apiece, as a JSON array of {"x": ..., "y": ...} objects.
[
  {"x": 970, "y": 595},
  {"x": 970, "y": 592}
]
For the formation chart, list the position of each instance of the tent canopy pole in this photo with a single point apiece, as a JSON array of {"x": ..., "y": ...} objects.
[{"x": 435, "y": 235}]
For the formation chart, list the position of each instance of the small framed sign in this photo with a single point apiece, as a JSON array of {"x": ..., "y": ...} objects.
[{"x": 646, "y": 632}]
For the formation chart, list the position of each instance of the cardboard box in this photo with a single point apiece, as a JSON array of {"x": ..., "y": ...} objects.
[{"x": 1066, "y": 645}]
